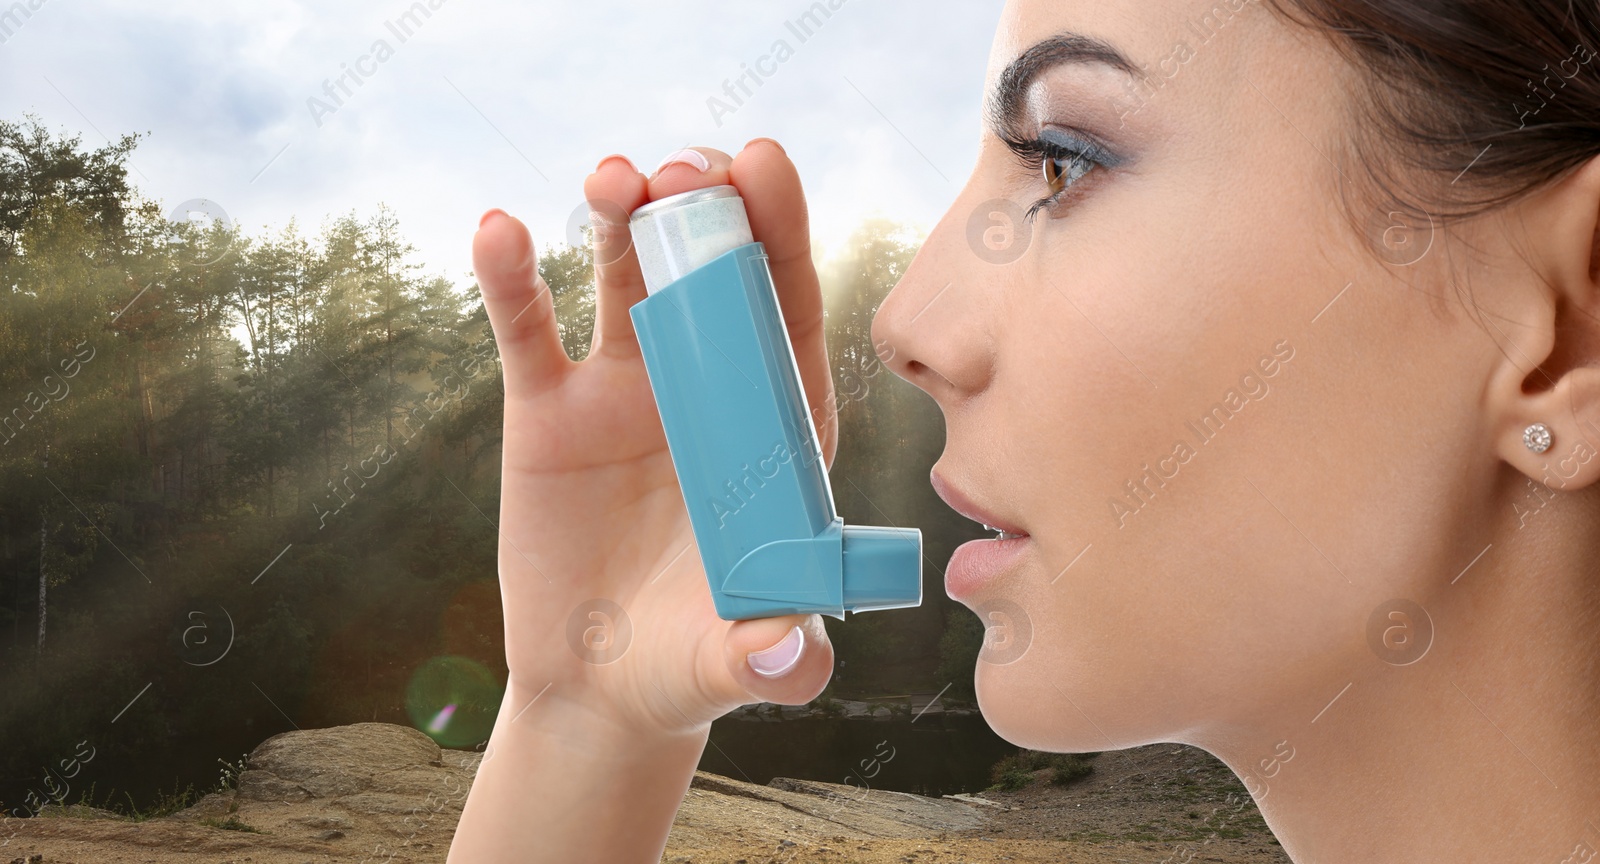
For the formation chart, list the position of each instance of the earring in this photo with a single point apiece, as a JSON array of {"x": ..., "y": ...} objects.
[{"x": 1537, "y": 437}]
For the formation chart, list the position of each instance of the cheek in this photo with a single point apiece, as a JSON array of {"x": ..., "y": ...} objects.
[{"x": 1133, "y": 414}]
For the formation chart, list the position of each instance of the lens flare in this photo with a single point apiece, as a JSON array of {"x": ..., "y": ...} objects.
[{"x": 453, "y": 700}]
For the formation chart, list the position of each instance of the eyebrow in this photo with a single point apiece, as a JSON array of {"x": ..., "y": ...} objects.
[{"x": 1006, "y": 101}]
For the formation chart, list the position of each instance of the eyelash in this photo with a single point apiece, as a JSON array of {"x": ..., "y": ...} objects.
[{"x": 1033, "y": 154}]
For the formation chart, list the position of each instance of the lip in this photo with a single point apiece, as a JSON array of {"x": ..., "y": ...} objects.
[{"x": 965, "y": 506}]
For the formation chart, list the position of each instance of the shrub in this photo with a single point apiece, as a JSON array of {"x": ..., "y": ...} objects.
[
  {"x": 1012, "y": 779},
  {"x": 1017, "y": 770},
  {"x": 1070, "y": 767}
]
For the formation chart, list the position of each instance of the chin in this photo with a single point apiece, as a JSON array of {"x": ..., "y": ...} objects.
[{"x": 1016, "y": 702}]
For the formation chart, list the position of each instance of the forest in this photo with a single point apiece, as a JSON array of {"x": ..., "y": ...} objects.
[{"x": 250, "y": 479}]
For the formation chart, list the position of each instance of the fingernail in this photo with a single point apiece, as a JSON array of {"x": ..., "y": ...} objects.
[
  {"x": 687, "y": 157},
  {"x": 769, "y": 141},
  {"x": 625, "y": 160},
  {"x": 781, "y": 657},
  {"x": 490, "y": 215}
]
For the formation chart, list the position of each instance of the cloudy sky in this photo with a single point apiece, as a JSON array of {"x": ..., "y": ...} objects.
[{"x": 484, "y": 103}]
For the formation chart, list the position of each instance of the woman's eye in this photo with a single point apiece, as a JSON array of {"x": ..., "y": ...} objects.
[
  {"x": 1060, "y": 173},
  {"x": 1063, "y": 159}
]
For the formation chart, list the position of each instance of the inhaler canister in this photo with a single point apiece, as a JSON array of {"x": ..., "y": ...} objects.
[{"x": 740, "y": 432}]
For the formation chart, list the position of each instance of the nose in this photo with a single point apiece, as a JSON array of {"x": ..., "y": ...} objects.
[{"x": 935, "y": 327}]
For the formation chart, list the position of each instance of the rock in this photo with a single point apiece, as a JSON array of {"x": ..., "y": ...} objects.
[
  {"x": 265, "y": 786},
  {"x": 331, "y": 763}
]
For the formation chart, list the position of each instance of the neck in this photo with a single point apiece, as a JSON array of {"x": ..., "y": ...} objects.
[{"x": 1489, "y": 745}]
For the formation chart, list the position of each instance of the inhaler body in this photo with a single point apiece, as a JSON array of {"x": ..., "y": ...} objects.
[{"x": 737, "y": 424}]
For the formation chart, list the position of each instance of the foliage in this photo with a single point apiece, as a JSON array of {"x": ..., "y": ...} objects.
[
  {"x": 1020, "y": 769},
  {"x": 251, "y": 476}
]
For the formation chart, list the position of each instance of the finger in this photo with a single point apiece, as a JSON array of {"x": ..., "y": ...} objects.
[
  {"x": 776, "y": 205},
  {"x": 688, "y": 169},
  {"x": 613, "y": 191},
  {"x": 763, "y": 660},
  {"x": 519, "y": 305}
]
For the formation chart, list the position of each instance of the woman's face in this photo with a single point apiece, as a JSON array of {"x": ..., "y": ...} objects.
[{"x": 1223, "y": 416}]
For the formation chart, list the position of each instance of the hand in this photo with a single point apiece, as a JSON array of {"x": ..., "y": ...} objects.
[{"x": 590, "y": 505}]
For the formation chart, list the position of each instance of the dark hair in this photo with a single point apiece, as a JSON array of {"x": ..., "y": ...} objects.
[{"x": 1456, "y": 83}]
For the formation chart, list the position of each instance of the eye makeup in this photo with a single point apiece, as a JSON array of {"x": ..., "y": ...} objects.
[{"x": 1062, "y": 158}]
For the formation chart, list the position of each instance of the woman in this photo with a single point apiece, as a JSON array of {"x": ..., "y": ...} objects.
[{"x": 1289, "y": 378}]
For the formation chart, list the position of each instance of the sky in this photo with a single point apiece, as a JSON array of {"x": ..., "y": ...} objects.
[{"x": 280, "y": 110}]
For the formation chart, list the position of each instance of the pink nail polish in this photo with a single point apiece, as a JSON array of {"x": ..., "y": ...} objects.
[
  {"x": 781, "y": 657},
  {"x": 687, "y": 157}
]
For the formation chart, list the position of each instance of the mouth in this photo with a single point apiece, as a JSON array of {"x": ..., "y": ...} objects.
[{"x": 959, "y": 502}]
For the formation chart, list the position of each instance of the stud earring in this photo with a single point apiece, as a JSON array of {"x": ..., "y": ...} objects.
[{"x": 1537, "y": 437}]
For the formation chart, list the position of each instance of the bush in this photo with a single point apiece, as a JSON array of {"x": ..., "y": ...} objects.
[
  {"x": 1017, "y": 770},
  {"x": 1070, "y": 767},
  {"x": 1012, "y": 779}
]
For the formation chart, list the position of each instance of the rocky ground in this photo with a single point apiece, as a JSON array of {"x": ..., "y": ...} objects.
[{"x": 376, "y": 792}]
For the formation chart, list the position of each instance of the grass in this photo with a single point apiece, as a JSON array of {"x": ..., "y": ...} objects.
[
  {"x": 166, "y": 803},
  {"x": 232, "y": 823},
  {"x": 1018, "y": 770},
  {"x": 177, "y": 800}
]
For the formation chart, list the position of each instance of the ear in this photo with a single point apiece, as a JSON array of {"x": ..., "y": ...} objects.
[{"x": 1549, "y": 333}]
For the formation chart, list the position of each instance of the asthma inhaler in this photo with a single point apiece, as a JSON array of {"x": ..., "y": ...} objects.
[{"x": 743, "y": 444}]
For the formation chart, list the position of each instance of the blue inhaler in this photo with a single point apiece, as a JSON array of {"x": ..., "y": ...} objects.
[{"x": 741, "y": 436}]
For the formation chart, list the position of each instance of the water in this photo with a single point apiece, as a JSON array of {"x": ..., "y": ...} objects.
[{"x": 934, "y": 755}]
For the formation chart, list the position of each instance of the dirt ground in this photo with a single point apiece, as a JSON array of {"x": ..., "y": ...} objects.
[
  {"x": 1161, "y": 804},
  {"x": 378, "y": 793}
]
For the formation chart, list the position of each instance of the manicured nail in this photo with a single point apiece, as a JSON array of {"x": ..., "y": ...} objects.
[
  {"x": 687, "y": 157},
  {"x": 490, "y": 215},
  {"x": 781, "y": 657},
  {"x": 769, "y": 141},
  {"x": 625, "y": 161}
]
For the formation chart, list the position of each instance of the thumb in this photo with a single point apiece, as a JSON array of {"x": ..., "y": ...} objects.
[{"x": 786, "y": 660}]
